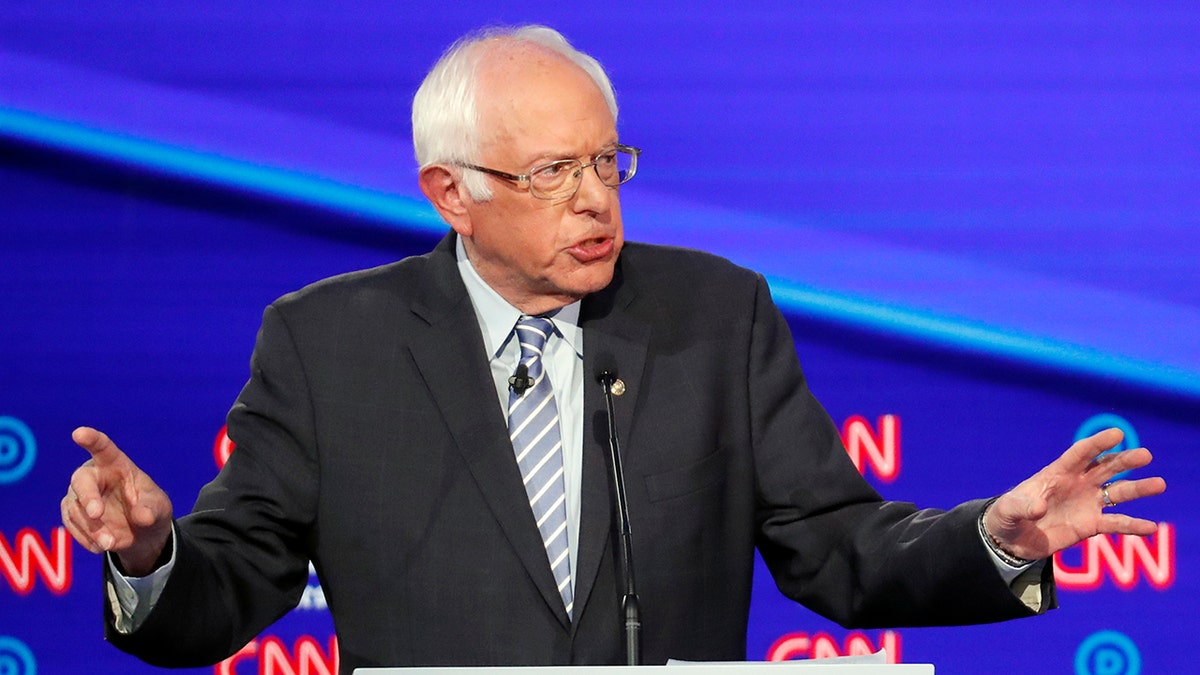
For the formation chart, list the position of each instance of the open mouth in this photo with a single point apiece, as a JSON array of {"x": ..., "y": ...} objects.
[{"x": 591, "y": 250}]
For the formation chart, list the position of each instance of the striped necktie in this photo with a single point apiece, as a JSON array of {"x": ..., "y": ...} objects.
[{"x": 534, "y": 430}]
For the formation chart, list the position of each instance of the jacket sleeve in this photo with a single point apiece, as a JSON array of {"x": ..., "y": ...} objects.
[
  {"x": 242, "y": 554},
  {"x": 831, "y": 542}
]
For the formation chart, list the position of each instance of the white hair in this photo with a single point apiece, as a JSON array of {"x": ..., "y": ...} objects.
[{"x": 445, "y": 115}]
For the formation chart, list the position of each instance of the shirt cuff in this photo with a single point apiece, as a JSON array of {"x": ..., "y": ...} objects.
[
  {"x": 1023, "y": 577},
  {"x": 132, "y": 598}
]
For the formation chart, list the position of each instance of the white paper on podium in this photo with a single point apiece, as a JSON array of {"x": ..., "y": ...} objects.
[{"x": 870, "y": 664}]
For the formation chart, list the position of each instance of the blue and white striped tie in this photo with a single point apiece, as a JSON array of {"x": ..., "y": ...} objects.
[{"x": 537, "y": 442}]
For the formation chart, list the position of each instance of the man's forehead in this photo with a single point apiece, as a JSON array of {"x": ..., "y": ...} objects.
[{"x": 543, "y": 100}]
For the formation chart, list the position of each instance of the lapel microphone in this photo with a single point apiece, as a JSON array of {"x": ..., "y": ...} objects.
[{"x": 520, "y": 380}]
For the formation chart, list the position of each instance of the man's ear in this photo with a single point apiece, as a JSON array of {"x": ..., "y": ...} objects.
[{"x": 447, "y": 194}]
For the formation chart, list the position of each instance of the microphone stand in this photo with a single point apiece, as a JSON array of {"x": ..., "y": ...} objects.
[{"x": 629, "y": 603}]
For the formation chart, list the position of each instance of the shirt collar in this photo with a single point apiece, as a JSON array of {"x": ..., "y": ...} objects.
[{"x": 497, "y": 317}]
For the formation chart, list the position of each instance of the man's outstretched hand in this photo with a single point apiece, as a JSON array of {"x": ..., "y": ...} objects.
[
  {"x": 1065, "y": 502},
  {"x": 112, "y": 506}
]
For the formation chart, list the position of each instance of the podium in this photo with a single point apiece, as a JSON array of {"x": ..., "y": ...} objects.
[{"x": 814, "y": 667}]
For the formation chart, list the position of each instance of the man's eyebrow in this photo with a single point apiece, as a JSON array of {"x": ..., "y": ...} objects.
[
  {"x": 556, "y": 155},
  {"x": 549, "y": 157}
]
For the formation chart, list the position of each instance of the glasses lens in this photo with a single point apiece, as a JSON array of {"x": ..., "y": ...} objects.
[
  {"x": 555, "y": 179},
  {"x": 616, "y": 166},
  {"x": 561, "y": 179}
]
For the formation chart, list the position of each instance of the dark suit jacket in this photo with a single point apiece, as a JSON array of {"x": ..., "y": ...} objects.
[{"x": 369, "y": 440}]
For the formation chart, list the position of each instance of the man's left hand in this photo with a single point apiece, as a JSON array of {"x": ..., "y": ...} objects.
[{"x": 1065, "y": 503}]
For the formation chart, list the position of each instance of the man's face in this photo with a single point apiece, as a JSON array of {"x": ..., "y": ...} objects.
[{"x": 540, "y": 255}]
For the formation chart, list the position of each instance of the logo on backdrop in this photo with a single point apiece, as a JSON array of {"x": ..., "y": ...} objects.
[
  {"x": 877, "y": 448},
  {"x": 18, "y": 450},
  {"x": 1122, "y": 558},
  {"x": 792, "y": 646},
  {"x": 15, "y": 657},
  {"x": 1108, "y": 653},
  {"x": 271, "y": 655},
  {"x": 26, "y": 558}
]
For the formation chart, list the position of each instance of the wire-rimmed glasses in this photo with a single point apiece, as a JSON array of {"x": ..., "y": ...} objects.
[{"x": 560, "y": 179}]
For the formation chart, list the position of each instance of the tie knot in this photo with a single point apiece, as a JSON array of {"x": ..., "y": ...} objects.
[{"x": 532, "y": 332}]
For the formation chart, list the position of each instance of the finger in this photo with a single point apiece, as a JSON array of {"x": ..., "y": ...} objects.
[
  {"x": 82, "y": 538},
  {"x": 1113, "y": 463},
  {"x": 145, "y": 515},
  {"x": 94, "y": 528},
  {"x": 1128, "y": 490},
  {"x": 85, "y": 488},
  {"x": 98, "y": 444},
  {"x": 89, "y": 533},
  {"x": 1081, "y": 455},
  {"x": 146, "y": 503},
  {"x": 1119, "y": 523}
]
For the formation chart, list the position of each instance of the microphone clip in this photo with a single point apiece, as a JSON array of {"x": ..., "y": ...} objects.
[{"x": 520, "y": 380}]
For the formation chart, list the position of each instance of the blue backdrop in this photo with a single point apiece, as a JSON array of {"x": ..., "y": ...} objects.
[{"x": 980, "y": 222}]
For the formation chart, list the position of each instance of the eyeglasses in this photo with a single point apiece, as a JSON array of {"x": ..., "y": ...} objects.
[{"x": 561, "y": 179}]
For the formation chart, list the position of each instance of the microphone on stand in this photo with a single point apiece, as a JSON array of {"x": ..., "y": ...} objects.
[{"x": 629, "y": 602}]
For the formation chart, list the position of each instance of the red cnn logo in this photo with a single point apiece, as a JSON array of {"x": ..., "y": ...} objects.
[
  {"x": 53, "y": 563},
  {"x": 274, "y": 658},
  {"x": 1125, "y": 559},
  {"x": 823, "y": 646},
  {"x": 881, "y": 450}
]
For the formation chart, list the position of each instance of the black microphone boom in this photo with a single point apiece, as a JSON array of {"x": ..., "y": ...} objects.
[{"x": 629, "y": 603}]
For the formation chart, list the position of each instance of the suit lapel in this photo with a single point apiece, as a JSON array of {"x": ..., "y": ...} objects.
[
  {"x": 450, "y": 355},
  {"x": 611, "y": 340}
]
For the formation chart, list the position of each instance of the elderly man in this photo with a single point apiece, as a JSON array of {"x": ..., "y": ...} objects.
[{"x": 430, "y": 436}]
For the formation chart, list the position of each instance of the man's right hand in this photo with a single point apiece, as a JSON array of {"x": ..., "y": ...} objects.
[{"x": 112, "y": 506}]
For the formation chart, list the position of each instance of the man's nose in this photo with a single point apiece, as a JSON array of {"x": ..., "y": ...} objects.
[{"x": 593, "y": 194}]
